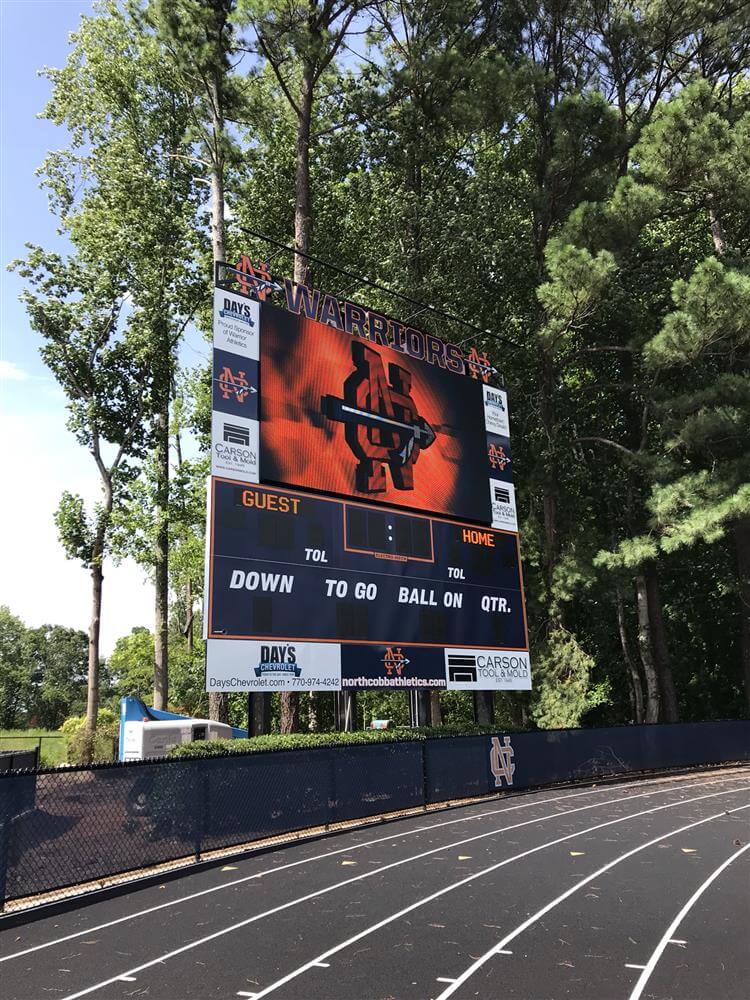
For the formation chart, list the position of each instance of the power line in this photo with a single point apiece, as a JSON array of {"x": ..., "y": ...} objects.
[{"x": 423, "y": 306}]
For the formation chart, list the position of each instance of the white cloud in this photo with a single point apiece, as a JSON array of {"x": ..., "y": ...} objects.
[
  {"x": 10, "y": 372},
  {"x": 40, "y": 459}
]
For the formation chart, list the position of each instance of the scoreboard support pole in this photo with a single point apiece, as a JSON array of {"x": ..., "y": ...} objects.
[
  {"x": 345, "y": 711},
  {"x": 419, "y": 707}
]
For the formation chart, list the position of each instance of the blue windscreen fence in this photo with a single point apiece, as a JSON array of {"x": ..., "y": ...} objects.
[{"x": 63, "y": 830}]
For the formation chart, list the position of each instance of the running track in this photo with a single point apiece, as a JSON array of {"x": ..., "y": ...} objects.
[{"x": 639, "y": 889}]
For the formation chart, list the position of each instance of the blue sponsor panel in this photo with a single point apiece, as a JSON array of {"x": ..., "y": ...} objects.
[
  {"x": 304, "y": 567},
  {"x": 499, "y": 459},
  {"x": 392, "y": 666},
  {"x": 235, "y": 384}
]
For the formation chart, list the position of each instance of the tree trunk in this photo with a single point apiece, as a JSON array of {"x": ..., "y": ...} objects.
[
  {"x": 436, "y": 712},
  {"x": 92, "y": 694},
  {"x": 550, "y": 487},
  {"x": 662, "y": 661},
  {"x": 646, "y": 650},
  {"x": 190, "y": 620},
  {"x": 484, "y": 708},
  {"x": 302, "y": 238},
  {"x": 289, "y": 712},
  {"x": 742, "y": 545},
  {"x": 717, "y": 229},
  {"x": 634, "y": 677},
  {"x": 218, "y": 701},
  {"x": 161, "y": 558},
  {"x": 217, "y": 215},
  {"x": 303, "y": 205}
]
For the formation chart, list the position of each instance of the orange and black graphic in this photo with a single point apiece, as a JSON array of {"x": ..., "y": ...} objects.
[
  {"x": 233, "y": 384},
  {"x": 478, "y": 365},
  {"x": 381, "y": 423},
  {"x": 342, "y": 414},
  {"x": 254, "y": 279},
  {"x": 394, "y": 661},
  {"x": 497, "y": 456}
]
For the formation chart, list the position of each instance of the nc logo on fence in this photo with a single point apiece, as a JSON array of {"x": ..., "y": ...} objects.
[{"x": 501, "y": 761}]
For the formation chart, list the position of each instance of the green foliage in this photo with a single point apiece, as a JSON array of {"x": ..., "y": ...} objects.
[
  {"x": 15, "y": 670},
  {"x": 712, "y": 314},
  {"x": 307, "y": 741},
  {"x": 97, "y": 748},
  {"x": 87, "y": 748},
  {"x": 565, "y": 689},
  {"x": 42, "y": 672},
  {"x": 75, "y": 723},
  {"x": 582, "y": 195},
  {"x": 576, "y": 282},
  {"x": 59, "y": 661},
  {"x": 132, "y": 663}
]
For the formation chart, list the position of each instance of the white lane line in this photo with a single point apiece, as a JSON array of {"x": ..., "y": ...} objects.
[
  {"x": 505, "y": 951},
  {"x": 395, "y": 864},
  {"x": 679, "y": 786},
  {"x": 566, "y": 895},
  {"x": 248, "y": 995},
  {"x": 649, "y": 967},
  {"x": 442, "y": 979},
  {"x": 345, "y": 850},
  {"x": 676, "y": 941},
  {"x": 324, "y": 965},
  {"x": 629, "y": 965},
  {"x": 471, "y": 878},
  {"x": 128, "y": 979}
]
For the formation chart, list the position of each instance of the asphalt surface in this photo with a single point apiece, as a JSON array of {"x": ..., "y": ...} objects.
[{"x": 640, "y": 889}]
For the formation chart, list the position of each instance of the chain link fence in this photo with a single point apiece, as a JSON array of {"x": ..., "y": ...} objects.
[{"x": 66, "y": 831}]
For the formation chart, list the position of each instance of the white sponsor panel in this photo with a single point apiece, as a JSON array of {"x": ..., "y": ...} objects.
[
  {"x": 503, "y": 501},
  {"x": 496, "y": 411},
  {"x": 487, "y": 670},
  {"x": 235, "y": 447},
  {"x": 272, "y": 665},
  {"x": 236, "y": 324}
]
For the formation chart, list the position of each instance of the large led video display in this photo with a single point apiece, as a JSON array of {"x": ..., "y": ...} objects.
[{"x": 350, "y": 416}]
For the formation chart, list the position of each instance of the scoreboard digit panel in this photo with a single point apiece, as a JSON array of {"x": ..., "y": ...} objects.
[{"x": 300, "y": 567}]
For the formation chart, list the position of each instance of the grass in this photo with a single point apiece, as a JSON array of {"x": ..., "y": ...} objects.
[{"x": 54, "y": 751}]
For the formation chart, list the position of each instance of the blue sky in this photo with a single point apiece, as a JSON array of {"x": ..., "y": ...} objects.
[{"x": 38, "y": 456}]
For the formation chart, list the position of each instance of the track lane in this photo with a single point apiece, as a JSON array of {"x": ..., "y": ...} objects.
[
  {"x": 182, "y": 916},
  {"x": 503, "y": 944},
  {"x": 119, "y": 909},
  {"x": 677, "y": 934},
  {"x": 594, "y": 944},
  {"x": 43, "y": 933},
  {"x": 210, "y": 956},
  {"x": 379, "y": 961}
]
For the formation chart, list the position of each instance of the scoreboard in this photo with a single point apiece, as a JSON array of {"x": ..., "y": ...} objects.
[{"x": 361, "y": 519}]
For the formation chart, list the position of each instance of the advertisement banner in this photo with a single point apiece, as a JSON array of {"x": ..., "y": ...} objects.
[
  {"x": 354, "y": 417},
  {"x": 236, "y": 324},
  {"x": 235, "y": 447},
  {"x": 247, "y": 665}
]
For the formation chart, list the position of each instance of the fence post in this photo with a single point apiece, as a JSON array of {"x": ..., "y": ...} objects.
[
  {"x": 424, "y": 775},
  {"x": 6, "y": 818}
]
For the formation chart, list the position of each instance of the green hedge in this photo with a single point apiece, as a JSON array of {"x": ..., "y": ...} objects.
[{"x": 304, "y": 741}]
